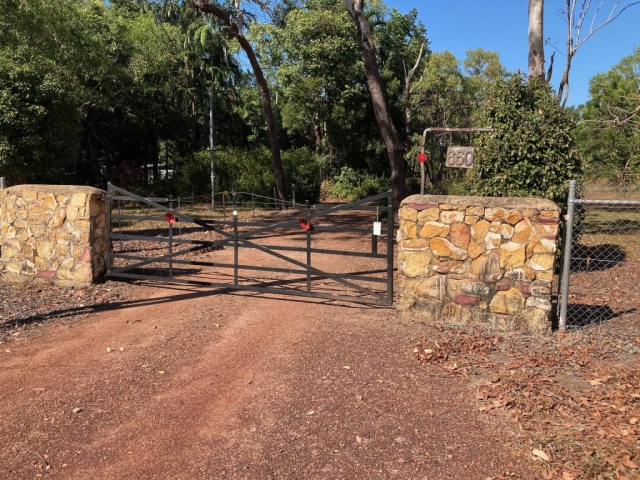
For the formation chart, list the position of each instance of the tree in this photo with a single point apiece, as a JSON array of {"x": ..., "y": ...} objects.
[
  {"x": 395, "y": 148},
  {"x": 536, "y": 39},
  {"x": 234, "y": 26},
  {"x": 609, "y": 133}
]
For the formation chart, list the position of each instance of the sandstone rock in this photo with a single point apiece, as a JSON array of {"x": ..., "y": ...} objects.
[
  {"x": 486, "y": 268},
  {"x": 101, "y": 221},
  {"x": 513, "y": 217},
  {"x": 533, "y": 320},
  {"x": 474, "y": 250},
  {"x": 41, "y": 263},
  {"x": 544, "y": 246},
  {"x": 430, "y": 214},
  {"x": 451, "y": 216},
  {"x": 539, "y": 302},
  {"x": 450, "y": 266},
  {"x": 82, "y": 224},
  {"x": 95, "y": 206},
  {"x": 63, "y": 250},
  {"x": 50, "y": 202},
  {"x": 58, "y": 219},
  {"x": 492, "y": 240},
  {"x": 101, "y": 246},
  {"x": 549, "y": 213},
  {"x": 495, "y": 226},
  {"x": 36, "y": 208},
  {"x": 476, "y": 211},
  {"x": 542, "y": 261},
  {"x": 459, "y": 314},
  {"x": 407, "y": 213},
  {"x": 479, "y": 231},
  {"x": 444, "y": 248},
  {"x": 475, "y": 288},
  {"x": 64, "y": 274},
  {"x": 541, "y": 289},
  {"x": 413, "y": 244},
  {"x": 63, "y": 238},
  {"x": 434, "y": 287},
  {"x": 447, "y": 206},
  {"x": 506, "y": 231},
  {"x": 497, "y": 213},
  {"x": 510, "y": 302},
  {"x": 530, "y": 212},
  {"x": 411, "y": 264},
  {"x": 460, "y": 235},
  {"x": 545, "y": 230},
  {"x": 521, "y": 274},
  {"x": 78, "y": 199},
  {"x": 434, "y": 229},
  {"x": 453, "y": 287},
  {"x": 9, "y": 252},
  {"x": 523, "y": 232},
  {"x": 512, "y": 255},
  {"x": 72, "y": 212},
  {"x": 83, "y": 273},
  {"x": 86, "y": 255},
  {"x": 471, "y": 219},
  {"x": 462, "y": 299},
  {"x": 68, "y": 263},
  {"x": 10, "y": 233},
  {"x": 12, "y": 267},
  {"x": 45, "y": 249},
  {"x": 29, "y": 195},
  {"x": 546, "y": 275}
]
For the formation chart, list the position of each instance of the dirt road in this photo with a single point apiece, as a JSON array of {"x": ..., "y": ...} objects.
[{"x": 198, "y": 384}]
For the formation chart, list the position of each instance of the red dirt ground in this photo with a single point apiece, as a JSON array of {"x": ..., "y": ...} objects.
[{"x": 206, "y": 385}]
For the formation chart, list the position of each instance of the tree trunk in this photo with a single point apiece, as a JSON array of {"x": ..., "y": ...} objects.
[
  {"x": 395, "y": 149},
  {"x": 265, "y": 94},
  {"x": 536, "y": 40}
]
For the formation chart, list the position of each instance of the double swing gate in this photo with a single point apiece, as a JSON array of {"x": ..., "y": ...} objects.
[{"x": 333, "y": 252}]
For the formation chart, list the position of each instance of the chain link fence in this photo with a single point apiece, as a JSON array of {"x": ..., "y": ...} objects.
[{"x": 600, "y": 277}]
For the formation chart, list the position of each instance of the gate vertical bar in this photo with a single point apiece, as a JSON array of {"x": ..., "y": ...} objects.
[
  {"x": 308, "y": 248},
  {"x": 170, "y": 242},
  {"x": 109, "y": 246},
  {"x": 235, "y": 240},
  {"x": 390, "y": 225},
  {"x": 566, "y": 256}
]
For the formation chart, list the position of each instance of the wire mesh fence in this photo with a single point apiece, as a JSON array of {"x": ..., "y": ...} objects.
[{"x": 601, "y": 264}]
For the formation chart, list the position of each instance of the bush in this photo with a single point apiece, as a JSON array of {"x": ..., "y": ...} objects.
[
  {"x": 250, "y": 171},
  {"x": 353, "y": 185},
  {"x": 533, "y": 152}
]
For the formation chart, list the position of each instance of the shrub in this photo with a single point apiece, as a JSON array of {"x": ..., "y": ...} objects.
[{"x": 533, "y": 152}]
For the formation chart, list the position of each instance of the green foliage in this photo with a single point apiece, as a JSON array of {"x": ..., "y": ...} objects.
[
  {"x": 249, "y": 170},
  {"x": 352, "y": 185},
  {"x": 609, "y": 130},
  {"x": 533, "y": 151}
]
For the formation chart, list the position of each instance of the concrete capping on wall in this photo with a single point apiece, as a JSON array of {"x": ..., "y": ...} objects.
[
  {"x": 480, "y": 260},
  {"x": 52, "y": 233}
]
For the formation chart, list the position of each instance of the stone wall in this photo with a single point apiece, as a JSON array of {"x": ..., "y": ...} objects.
[
  {"x": 478, "y": 260},
  {"x": 52, "y": 233}
]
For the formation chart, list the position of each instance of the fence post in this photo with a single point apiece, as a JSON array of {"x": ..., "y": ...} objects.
[
  {"x": 566, "y": 256},
  {"x": 170, "y": 241},
  {"x": 2, "y": 183},
  {"x": 235, "y": 239},
  {"x": 293, "y": 189}
]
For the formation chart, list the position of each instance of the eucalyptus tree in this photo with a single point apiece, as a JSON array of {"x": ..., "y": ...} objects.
[
  {"x": 609, "y": 133},
  {"x": 233, "y": 19}
]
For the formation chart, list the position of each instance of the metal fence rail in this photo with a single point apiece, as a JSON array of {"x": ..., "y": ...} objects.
[
  {"x": 150, "y": 253},
  {"x": 601, "y": 254}
]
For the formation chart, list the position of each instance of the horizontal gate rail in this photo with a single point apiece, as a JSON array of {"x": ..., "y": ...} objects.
[{"x": 247, "y": 238}]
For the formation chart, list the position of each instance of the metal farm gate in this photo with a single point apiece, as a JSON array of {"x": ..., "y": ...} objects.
[
  {"x": 325, "y": 251},
  {"x": 600, "y": 275}
]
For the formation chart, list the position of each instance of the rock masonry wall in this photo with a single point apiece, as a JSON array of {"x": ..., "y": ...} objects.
[
  {"x": 52, "y": 233},
  {"x": 478, "y": 260}
]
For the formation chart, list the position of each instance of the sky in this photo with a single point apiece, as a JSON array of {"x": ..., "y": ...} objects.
[{"x": 501, "y": 26}]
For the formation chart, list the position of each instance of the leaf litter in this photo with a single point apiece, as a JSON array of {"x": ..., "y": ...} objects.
[{"x": 574, "y": 396}]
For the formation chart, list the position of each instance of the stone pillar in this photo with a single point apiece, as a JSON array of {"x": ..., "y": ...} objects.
[
  {"x": 54, "y": 233},
  {"x": 478, "y": 259}
]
